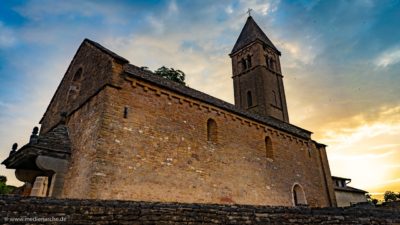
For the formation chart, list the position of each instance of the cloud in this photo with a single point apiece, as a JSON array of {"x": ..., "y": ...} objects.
[
  {"x": 370, "y": 156},
  {"x": 173, "y": 7},
  {"x": 74, "y": 10},
  {"x": 388, "y": 57},
  {"x": 366, "y": 150},
  {"x": 229, "y": 9},
  {"x": 206, "y": 71},
  {"x": 260, "y": 7},
  {"x": 7, "y": 36},
  {"x": 384, "y": 146},
  {"x": 156, "y": 24}
]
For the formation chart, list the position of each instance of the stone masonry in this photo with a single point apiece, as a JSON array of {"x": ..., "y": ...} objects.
[{"x": 62, "y": 211}]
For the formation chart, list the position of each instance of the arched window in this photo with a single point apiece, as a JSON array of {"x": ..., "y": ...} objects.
[
  {"x": 75, "y": 86},
  {"x": 244, "y": 64},
  {"x": 248, "y": 61},
  {"x": 268, "y": 61},
  {"x": 212, "y": 131},
  {"x": 268, "y": 148},
  {"x": 299, "y": 198},
  {"x": 249, "y": 99}
]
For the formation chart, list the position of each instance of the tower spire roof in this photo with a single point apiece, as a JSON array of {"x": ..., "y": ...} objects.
[{"x": 251, "y": 32}]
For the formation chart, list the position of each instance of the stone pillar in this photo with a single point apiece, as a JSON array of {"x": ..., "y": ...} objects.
[
  {"x": 40, "y": 186},
  {"x": 59, "y": 167},
  {"x": 28, "y": 177}
]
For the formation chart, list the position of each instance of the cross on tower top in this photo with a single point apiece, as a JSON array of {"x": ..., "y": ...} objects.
[{"x": 249, "y": 11}]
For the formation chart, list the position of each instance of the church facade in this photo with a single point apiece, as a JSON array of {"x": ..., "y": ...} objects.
[{"x": 115, "y": 131}]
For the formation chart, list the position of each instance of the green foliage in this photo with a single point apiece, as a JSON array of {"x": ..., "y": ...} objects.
[
  {"x": 4, "y": 188},
  {"x": 3, "y": 179},
  {"x": 391, "y": 196},
  {"x": 171, "y": 74}
]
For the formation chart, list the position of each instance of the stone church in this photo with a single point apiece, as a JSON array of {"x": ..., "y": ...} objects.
[{"x": 116, "y": 131}]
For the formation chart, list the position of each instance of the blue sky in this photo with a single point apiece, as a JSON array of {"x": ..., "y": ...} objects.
[{"x": 340, "y": 59}]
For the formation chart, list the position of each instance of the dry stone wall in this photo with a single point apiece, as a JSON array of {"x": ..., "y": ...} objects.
[{"x": 29, "y": 210}]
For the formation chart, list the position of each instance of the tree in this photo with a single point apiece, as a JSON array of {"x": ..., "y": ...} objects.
[
  {"x": 4, "y": 188},
  {"x": 171, "y": 74},
  {"x": 391, "y": 196},
  {"x": 371, "y": 200},
  {"x": 3, "y": 179}
]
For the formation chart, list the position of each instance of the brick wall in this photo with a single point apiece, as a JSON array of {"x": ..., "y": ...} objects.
[{"x": 125, "y": 212}]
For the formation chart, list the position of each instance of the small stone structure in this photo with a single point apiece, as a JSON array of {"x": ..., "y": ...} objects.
[
  {"x": 66, "y": 211},
  {"x": 346, "y": 195}
]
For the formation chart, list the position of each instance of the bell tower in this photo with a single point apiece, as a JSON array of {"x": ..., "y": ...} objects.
[{"x": 257, "y": 75}]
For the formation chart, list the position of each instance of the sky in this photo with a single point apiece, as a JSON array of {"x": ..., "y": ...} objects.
[{"x": 340, "y": 61}]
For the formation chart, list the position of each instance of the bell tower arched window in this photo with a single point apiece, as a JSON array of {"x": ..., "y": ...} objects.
[
  {"x": 273, "y": 64},
  {"x": 249, "y": 99},
  {"x": 248, "y": 61},
  {"x": 244, "y": 64},
  {"x": 268, "y": 61},
  {"x": 212, "y": 131}
]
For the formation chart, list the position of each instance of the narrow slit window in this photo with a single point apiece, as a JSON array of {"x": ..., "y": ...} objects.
[
  {"x": 268, "y": 148},
  {"x": 211, "y": 131},
  {"x": 274, "y": 99},
  {"x": 125, "y": 112}
]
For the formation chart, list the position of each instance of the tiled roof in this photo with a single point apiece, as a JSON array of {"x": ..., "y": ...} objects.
[
  {"x": 56, "y": 139},
  {"x": 251, "y": 32},
  {"x": 55, "y": 143}
]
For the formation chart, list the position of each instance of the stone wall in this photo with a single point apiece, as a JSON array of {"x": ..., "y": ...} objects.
[
  {"x": 30, "y": 210},
  {"x": 97, "y": 69},
  {"x": 84, "y": 127},
  {"x": 159, "y": 152},
  {"x": 346, "y": 198}
]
